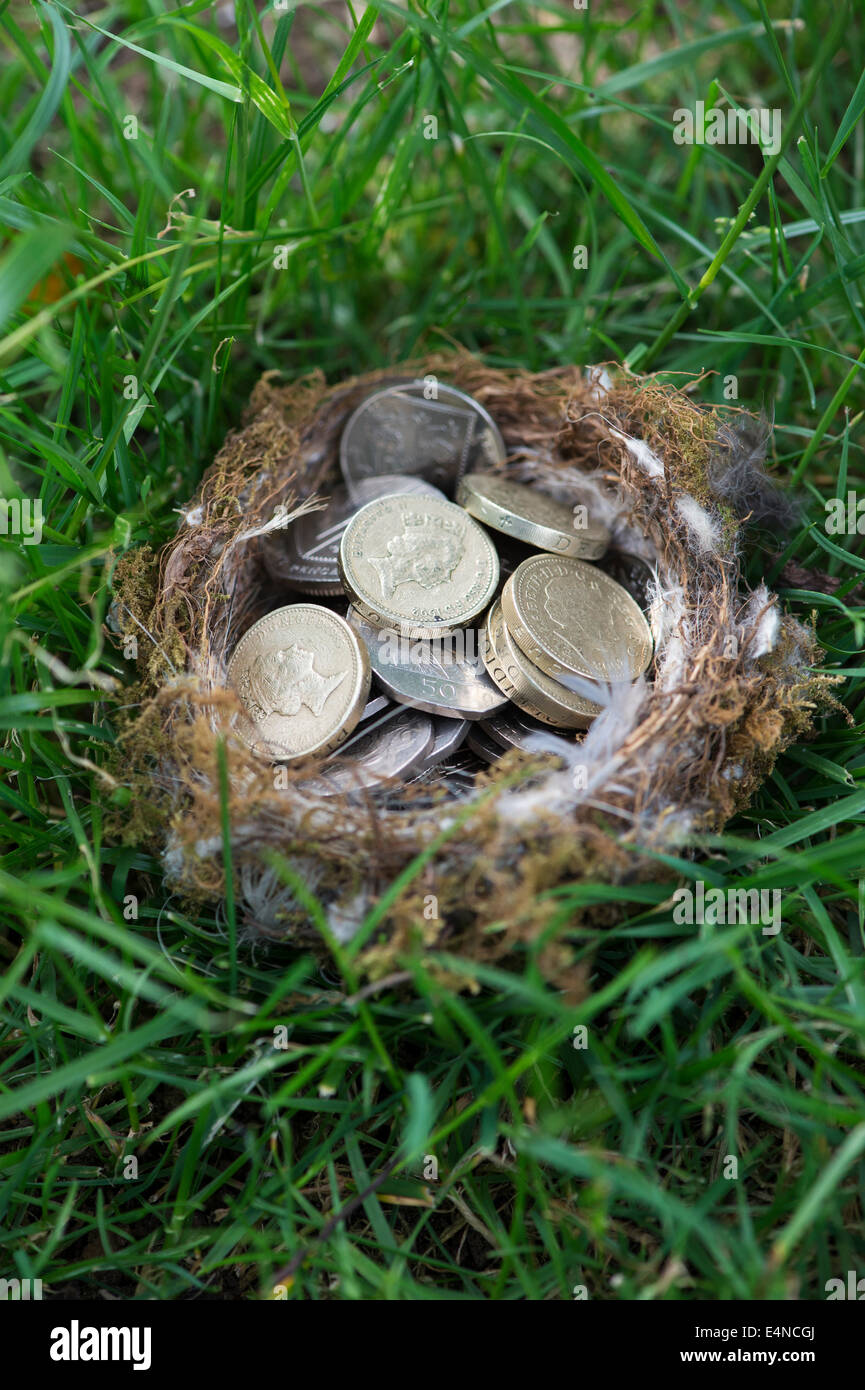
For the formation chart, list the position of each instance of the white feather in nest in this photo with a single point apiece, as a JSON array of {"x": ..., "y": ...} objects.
[
  {"x": 639, "y": 450},
  {"x": 667, "y": 620},
  {"x": 345, "y": 918},
  {"x": 760, "y": 625},
  {"x": 281, "y": 519},
  {"x": 173, "y": 859},
  {"x": 266, "y": 899},
  {"x": 596, "y": 757},
  {"x": 704, "y": 530},
  {"x": 268, "y": 902},
  {"x": 600, "y": 381}
]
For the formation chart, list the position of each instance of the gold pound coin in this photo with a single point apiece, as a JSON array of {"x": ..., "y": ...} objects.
[
  {"x": 418, "y": 564},
  {"x": 303, "y": 677},
  {"x": 531, "y": 516},
  {"x": 528, "y": 687},
  {"x": 574, "y": 621}
]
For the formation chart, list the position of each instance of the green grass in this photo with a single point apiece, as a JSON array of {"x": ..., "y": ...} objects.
[{"x": 152, "y": 1040}]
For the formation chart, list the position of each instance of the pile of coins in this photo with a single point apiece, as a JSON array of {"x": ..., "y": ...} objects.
[{"x": 473, "y": 645}]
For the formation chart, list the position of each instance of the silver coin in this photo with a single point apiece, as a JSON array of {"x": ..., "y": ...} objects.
[
  {"x": 441, "y": 675},
  {"x": 376, "y": 704},
  {"x": 421, "y": 427},
  {"x": 448, "y": 734},
  {"x": 386, "y": 484},
  {"x": 305, "y": 555},
  {"x": 392, "y": 746},
  {"x": 456, "y": 773},
  {"x": 514, "y": 729},
  {"x": 308, "y": 568},
  {"x": 486, "y": 748}
]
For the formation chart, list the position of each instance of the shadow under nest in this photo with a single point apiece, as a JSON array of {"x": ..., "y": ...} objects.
[{"x": 674, "y": 754}]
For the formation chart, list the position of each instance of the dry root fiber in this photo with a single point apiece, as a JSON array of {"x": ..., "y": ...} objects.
[{"x": 670, "y": 756}]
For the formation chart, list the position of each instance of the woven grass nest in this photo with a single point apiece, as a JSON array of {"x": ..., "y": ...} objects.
[{"x": 675, "y": 754}]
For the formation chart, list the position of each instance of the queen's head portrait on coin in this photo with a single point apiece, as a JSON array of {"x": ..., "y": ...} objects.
[
  {"x": 572, "y": 619},
  {"x": 302, "y": 676},
  {"x": 418, "y": 564}
]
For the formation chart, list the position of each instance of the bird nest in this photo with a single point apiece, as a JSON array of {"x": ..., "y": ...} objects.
[{"x": 467, "y": 865}]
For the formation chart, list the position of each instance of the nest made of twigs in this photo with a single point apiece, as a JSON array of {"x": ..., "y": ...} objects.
[{"x": 669, "y": 757}]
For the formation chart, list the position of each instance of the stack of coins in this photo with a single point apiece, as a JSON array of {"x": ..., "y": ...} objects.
[{"x": 481, "y": 621}]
